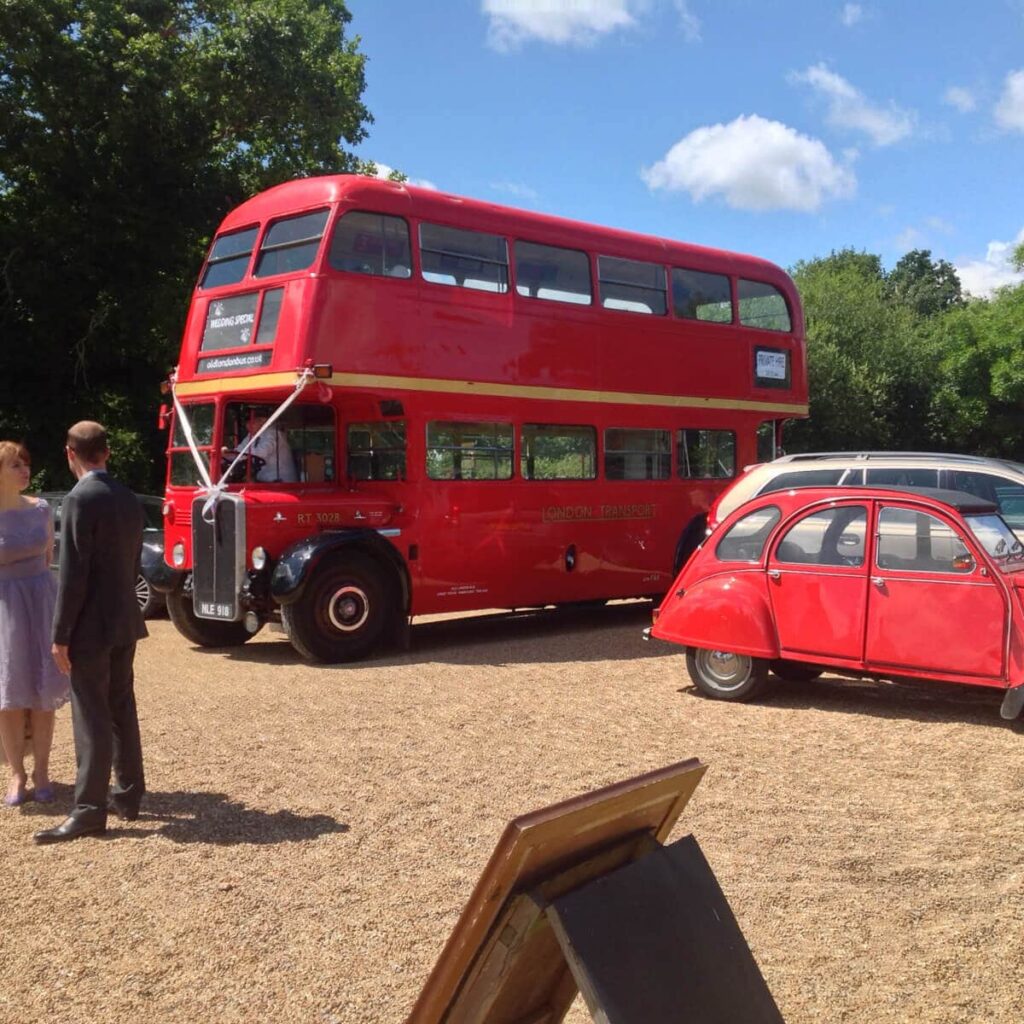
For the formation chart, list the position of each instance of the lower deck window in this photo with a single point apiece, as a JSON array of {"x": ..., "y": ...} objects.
[
  {"x": 706, "y": 454},
  {"x": 376, "y": 451},
  {"x": 637, "y": 454},
  {"x": 469, "y": 451},
  {"x": 557, "y": 452}
]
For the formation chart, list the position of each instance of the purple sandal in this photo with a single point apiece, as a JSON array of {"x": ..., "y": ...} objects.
[{"x": 45, "y": 795}]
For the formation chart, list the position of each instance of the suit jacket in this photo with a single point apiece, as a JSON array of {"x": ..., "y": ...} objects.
[{"x": 100, "y": 547}]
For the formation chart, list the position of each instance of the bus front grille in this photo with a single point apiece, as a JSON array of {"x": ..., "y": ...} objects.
[{"x": 218, "y": 557}]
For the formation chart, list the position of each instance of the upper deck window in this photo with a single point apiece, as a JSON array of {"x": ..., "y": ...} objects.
[
  {"x": 291, "y": 244},
  {"x": 763, "y": 305},
  {"x": 371, "y": 243},
  {"x": 632, "y": 285},
  {"x": 468, "y": 259},
  {"x": 546, "y": 272},
  {"x": 700, "y": 296},
  {"x": 229, "y": 258}
]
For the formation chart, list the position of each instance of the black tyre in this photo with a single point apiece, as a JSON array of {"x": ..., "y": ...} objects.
[
  {"x": 342, "y": 613},
  {"x": 151, "y": 602},
  {"x": 726, "y": 676},
  {"x": 794, "y": 671},
  {"x": 692, "y": 538},
  {"x": 203, "y": 632}
]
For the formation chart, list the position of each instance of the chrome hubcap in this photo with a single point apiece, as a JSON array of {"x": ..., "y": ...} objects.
[
  {"x": 141, "y": 591},
  {"x": 348, "y": 609},
  {"x": 723, "y": 669}
]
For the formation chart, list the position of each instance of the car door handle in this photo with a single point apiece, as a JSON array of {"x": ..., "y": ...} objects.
[
  {"x": 878, "y": 581},
  {"x": 774, "y": 574}
]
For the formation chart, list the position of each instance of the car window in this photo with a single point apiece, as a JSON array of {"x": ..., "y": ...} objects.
[
  {"x": 852, "y": 478},
  {"x": 898, "y": 477},
  {"x": 998, "y": 540},
  {"x": 745, "y": 539},
  {"x": 918, "y": 542},
  {"x": 802, "y": 478},
  {"x": 832, "y": 536},
  {"x": 1009, "y": 496}
]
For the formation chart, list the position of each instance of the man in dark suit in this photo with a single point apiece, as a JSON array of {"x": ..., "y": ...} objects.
[{"x": 96, "y": 625}]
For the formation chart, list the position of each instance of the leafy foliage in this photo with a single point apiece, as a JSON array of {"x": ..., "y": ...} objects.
[
  {"x": 902, "y": 361},
  {"x": 128, "y": 128}
]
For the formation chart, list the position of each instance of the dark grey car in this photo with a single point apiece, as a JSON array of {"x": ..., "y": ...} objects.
[{"x": 150, "y": 601}]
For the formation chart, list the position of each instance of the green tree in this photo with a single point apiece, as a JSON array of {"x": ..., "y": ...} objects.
[
  {"x": 924, "y": 285},
  {"x": 869, "y": 373},
  {"x": 978, "y": 404},
  {"x": 127, "y": 129}
]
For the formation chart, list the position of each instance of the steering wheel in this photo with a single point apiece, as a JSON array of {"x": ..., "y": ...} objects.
[{"x": 238, "y": 474}]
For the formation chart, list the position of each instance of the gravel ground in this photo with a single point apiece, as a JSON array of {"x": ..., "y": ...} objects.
[{"x": 312, "y": 833}]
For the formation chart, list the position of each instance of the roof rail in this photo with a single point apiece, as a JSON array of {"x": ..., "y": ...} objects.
[{"x": 881, "y": 456}]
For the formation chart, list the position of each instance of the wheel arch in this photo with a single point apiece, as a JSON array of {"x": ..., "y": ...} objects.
[
  {"x": 297, "y": 564},
  {"x": 689, "y": 540},
  {"x": 728, "y": 612}
]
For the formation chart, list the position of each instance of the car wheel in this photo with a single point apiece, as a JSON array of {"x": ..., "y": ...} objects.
[
  {"x": 342, "y": 613},
  {"x": 203, "y": 632},
  {"x": 726, "y": 676},
  {"x": 151, "y": 602},
  {"x": 794, "y": 671}
]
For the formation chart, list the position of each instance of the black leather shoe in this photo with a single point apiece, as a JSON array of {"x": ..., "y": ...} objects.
[
  {"x": 71, "y": 828},
  {"x": 125, "y": 811}
]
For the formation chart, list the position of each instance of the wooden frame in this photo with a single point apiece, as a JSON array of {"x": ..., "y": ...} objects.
[{"x": 503, "y": 963}]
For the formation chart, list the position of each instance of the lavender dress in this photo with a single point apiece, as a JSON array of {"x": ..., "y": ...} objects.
[{"x": 29, "y": 678}]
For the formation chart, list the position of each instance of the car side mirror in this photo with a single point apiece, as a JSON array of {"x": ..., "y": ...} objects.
[{"x": 963, "y": 563}]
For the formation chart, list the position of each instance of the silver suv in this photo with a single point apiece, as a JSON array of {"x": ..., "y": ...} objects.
[{"x": 997, "y": 480}]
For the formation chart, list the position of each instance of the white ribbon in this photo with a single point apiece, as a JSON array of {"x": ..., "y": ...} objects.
[{"x": 215, "y": 490}]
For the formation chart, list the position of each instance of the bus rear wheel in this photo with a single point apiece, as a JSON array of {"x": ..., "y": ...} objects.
[
  {"x": 203, "y": 632},
  {"x": 342, "y": 613}
]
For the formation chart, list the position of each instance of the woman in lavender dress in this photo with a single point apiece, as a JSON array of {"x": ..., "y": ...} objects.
[{"x": 29, "y": 679}]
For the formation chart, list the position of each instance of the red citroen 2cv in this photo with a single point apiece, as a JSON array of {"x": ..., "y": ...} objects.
[{"x": 863, "y": 581}]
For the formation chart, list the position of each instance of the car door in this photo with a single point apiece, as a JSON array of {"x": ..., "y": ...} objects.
[
  {"x": 932, "y": 603},
  {"x": 817, "y": 581}
]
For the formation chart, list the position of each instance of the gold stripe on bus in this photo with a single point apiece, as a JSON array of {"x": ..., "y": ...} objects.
[{"x": 489, "y": 389}]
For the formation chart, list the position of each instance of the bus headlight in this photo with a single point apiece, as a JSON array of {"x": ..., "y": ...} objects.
[
  {"x": 259, "y": 558},
  {"x": 178, "y": 555}
]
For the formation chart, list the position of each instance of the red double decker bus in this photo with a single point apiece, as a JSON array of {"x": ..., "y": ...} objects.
[{"x": 392, "y": 402}]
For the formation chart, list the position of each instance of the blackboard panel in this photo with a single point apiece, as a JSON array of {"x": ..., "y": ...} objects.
[{"x": 655, "y": 942}]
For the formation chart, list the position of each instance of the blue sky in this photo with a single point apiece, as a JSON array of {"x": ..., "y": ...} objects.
[{"x": 784, "y": 129}]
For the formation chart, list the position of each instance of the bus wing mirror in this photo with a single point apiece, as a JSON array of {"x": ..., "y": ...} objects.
[{"x": 163, "y": 417}]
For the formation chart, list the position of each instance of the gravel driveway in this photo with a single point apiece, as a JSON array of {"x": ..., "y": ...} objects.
[{"x": 311, "y": 833}]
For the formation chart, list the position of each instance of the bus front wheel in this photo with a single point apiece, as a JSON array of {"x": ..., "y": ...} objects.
[
  {"x": 203, "y": 632},
  {"x": 342, "y": 613}
]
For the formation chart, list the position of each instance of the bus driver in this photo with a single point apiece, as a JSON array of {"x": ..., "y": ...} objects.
[{"x": 273, "y": 459}]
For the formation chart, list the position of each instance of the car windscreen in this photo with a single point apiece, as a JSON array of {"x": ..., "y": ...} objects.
[{"x": 998, "y": 540}]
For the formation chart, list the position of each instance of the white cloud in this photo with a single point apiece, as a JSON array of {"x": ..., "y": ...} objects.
[
  {"x": 688, "y": 21},
  {"x": 848, "y": 108},
  {"x": 754, "y": 164},
  {"x": 961, "y": 98},
  {"x": 514, "y": 188},
  {"x": 983, "y": 277},
  {"x": 383, "y": 170},
  {"x": 561, "y": 22},
  {"x": 909, "y": 238},
  {"x": 940, "y": 225},
  {"x": 1010, "y": 108},
  {"x": 851, "y": 14}
]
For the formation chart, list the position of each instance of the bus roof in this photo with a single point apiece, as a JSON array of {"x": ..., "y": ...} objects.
[{"x": 374, "y": 193}]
